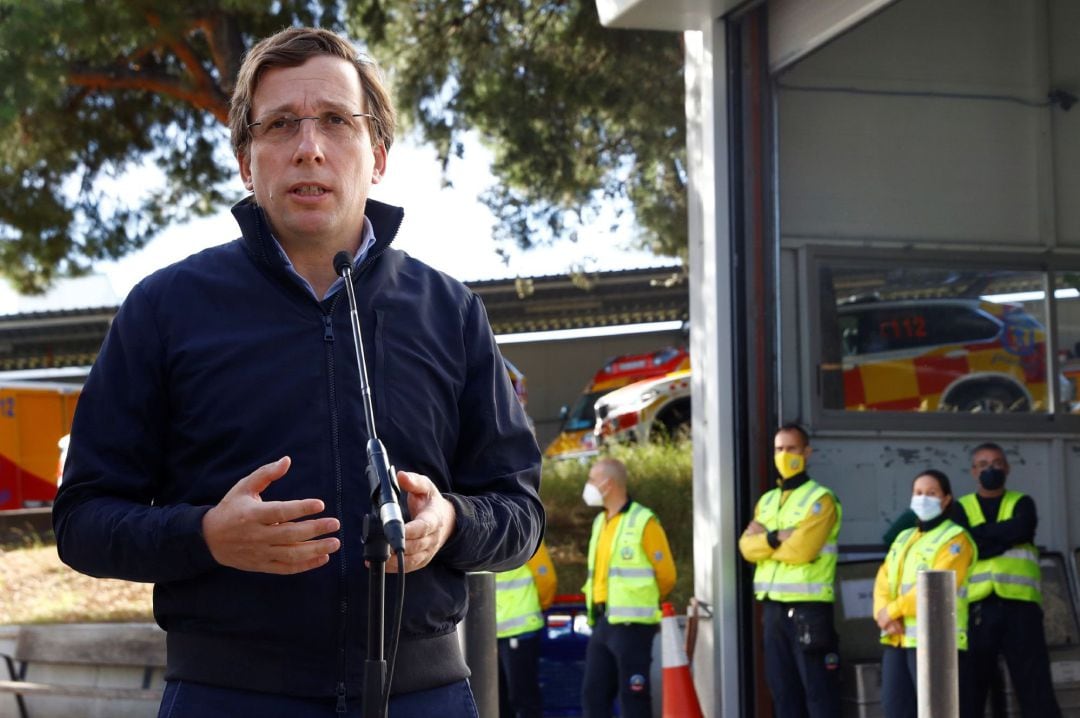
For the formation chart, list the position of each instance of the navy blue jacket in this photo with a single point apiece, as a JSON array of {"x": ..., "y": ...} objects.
[{"x": 221, "y": 363}]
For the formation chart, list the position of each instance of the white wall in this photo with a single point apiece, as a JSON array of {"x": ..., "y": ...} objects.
[{"x": 918, "y": 168}]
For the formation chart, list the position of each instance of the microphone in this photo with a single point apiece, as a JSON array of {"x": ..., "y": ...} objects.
[{"x": 382, "y": 478}]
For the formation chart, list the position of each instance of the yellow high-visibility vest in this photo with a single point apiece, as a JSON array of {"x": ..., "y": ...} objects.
[
  {"x": 906, "y": 558},
  {"x": 1014, "y": 574},
  {"x": 812, "y": 581},
  {"x": 633, "y": 596},
  {"x": 517, "y": 603}
]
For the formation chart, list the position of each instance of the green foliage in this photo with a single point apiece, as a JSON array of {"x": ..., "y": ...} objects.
[
  {"x": 577, "y": 114},
  {"x": 96, "y": 88},
  {"x": 661, "y": 478}
]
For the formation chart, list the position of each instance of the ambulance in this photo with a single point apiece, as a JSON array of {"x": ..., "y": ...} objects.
[
  {"x": 575, "y": 437},
  {"x": 647, "y": 410},
  {"x": 34, "y": 416}
]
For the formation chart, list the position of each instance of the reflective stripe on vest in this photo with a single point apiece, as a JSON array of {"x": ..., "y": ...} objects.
[
  {"x": 632, "y": 596},
  {"x": 517, "y": 603},
  {"x": 811, "y": 581},
  {"x": 802, "y": 589},
  {"x": 911, "y": 553},
  {"x": 1014, "y": 574}
]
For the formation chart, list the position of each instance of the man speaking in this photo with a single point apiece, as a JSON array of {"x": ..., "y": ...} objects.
[{"x": 218, "y": 449}]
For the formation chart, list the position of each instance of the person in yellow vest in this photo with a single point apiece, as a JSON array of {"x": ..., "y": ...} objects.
[
  {"x": 1005, "y": 587},
  {"x": 792, "y": 541},
  {"x": 521, "y": 597},
  {"x": 937, "y": 543},
  {"x": 630, "y": 570}
]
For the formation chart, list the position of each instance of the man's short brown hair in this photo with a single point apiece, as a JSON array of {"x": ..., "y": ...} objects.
[{"x": 293, "y": 47}]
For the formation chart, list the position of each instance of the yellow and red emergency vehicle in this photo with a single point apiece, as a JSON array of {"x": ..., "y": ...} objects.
[
  {"x": 965, "y": 355},
  {"x": 33, "y": 418},
  {"x": 576, "y": 435},
  {"x": 657, "y": 408}
]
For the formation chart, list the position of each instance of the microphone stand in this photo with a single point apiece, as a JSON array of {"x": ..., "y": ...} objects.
[{"x": 383, "y": 526}]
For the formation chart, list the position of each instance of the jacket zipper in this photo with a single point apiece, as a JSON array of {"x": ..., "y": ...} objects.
[
  {"x": 328, "y": 339},
  {"x": 335, "y": 446}
]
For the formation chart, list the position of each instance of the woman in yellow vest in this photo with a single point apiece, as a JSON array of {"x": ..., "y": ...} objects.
[{"x": 935, "y": 543}]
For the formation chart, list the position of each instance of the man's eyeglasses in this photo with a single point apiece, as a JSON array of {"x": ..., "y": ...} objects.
[
  {"x": 983, "y": 465},
  {"x": 284, "y": 126}
]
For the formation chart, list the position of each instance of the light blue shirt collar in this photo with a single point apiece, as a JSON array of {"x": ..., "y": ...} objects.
[{"x": 367, "y": 241}]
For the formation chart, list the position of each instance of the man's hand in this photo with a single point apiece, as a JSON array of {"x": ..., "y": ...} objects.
[
  {"x": 433, "y": 521},
  {"x": 250, "y": 534},
  {"x": 755, "y": 527},
  {"x": 784, "y": 535}
]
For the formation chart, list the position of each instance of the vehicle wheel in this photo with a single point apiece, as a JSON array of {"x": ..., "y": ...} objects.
[
  {"x": 988, "y": 399},
  {"x": 673, "y": 423}
]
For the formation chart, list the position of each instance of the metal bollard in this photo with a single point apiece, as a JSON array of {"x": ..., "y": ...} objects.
[
  {"x": 481, "y": 648},
  {"x": 938, "y": 672}
]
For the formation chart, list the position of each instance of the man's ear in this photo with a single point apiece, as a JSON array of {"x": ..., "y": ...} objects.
[
  {"x": 379, "y": 170},
  {"x": 244, "y": 161}
]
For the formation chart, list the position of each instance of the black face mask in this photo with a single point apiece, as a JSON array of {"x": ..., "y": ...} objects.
[{"x": 992, "y": 479}]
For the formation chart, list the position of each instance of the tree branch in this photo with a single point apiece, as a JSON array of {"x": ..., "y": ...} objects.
[
  {"x": 226, "y": 46},
  {"x": 209, "y": 100},
  {"x": 205, "y": 84}
]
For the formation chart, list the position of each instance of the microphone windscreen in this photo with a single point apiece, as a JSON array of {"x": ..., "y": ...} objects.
[{"x": 342, "y": 261}]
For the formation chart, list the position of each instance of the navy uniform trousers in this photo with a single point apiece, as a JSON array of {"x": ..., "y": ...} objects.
[
  {"x": 899, "y": 680},
  {"x": 519, "y": 677},
  {"x": 803, "y": 684},
  {"x": 617, "y": 662},
  {"x": 1013, "y": 629}
]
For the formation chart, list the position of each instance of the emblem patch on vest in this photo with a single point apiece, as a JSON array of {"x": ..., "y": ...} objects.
[
  {"x": 627, "y": 553},
  {"x": 816, "y": 508},
  {"x": 954, "y": 548},
  {"x": 637, "y": 683}
]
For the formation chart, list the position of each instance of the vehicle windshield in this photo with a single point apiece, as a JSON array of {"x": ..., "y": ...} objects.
[{"x": 582, "y": 415}]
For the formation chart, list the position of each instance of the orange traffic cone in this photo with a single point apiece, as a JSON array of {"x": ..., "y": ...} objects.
[{"x": 680, "y": 698}]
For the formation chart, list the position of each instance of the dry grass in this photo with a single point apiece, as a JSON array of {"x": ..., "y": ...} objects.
[{"x": 35, "y": 587}]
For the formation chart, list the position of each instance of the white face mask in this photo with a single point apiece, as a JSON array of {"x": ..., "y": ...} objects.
[
  {"x": 927, "y": 508},
  {"x": 592, "y": 496}
]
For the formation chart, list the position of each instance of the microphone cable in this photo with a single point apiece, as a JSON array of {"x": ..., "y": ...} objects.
[{"x": 391, "y": 660}]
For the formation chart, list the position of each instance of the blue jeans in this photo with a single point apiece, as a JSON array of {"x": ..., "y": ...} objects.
[{"x": 184, "y": 699}]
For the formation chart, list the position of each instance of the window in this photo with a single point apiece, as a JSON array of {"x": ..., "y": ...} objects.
[
  {"x": 919, "y": 338},
  {"x": 1067, "y": 339}
]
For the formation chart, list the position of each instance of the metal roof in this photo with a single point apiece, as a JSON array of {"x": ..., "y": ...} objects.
[
  {"x": 582, "y": 301},
  {"x": 67, "y": 337},
  {"x": 72, "y": 337}
]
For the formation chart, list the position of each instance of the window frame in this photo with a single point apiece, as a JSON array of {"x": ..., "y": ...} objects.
[{"x": 810, "y": 260}]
